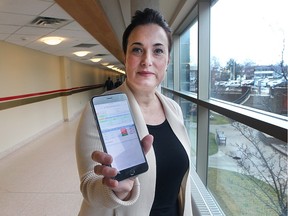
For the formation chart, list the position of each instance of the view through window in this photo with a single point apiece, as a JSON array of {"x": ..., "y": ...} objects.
[
  {"x": 247, "y": 171},
  {"x": 189, "y": 59},
  {"x": 249, "y": 53}
]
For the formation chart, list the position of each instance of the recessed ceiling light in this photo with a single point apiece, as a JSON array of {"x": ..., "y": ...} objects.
[
  {"x": 81, "y": 53},
  {"x": 52, "y": 40},
  {"x": 95, "y": 59}
]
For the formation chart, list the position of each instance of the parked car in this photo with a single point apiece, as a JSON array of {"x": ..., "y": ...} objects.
[
  {"x": 233, "y": 83},
  {"x": 247, "y": 82},
  {"x": 274, "y": 82}
]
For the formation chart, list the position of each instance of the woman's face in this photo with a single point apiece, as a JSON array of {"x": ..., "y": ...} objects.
[{"x": 147, "y": 57}]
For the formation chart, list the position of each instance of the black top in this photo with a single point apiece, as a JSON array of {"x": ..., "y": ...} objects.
[{"x": 171, "y": 164}]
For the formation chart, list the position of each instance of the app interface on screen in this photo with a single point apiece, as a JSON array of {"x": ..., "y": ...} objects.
[{"x": 119, "y": 134}]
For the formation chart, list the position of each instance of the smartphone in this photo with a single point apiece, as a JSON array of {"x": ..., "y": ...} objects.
[{"x": 119, "y": 135}]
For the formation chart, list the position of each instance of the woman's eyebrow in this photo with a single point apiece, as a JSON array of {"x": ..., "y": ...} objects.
[
  {"x": 158, "y": 44},
  {"x": 140, "y": 44},
  {"x": 136, "y": 43}
]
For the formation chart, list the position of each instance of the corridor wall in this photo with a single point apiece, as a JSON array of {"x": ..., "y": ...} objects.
[{"x": 38, "y": 91}]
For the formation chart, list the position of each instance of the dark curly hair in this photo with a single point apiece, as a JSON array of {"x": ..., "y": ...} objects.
[{"x": 147, "y": 16}]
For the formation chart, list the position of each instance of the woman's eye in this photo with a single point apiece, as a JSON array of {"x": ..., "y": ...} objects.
[
  {"x": 137, "y": 50},
  {"x": 158, "y": 51}
]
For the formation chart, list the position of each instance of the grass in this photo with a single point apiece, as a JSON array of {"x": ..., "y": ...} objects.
[
  {"x": 236, "y": 194},
  {"x": 233, "y": 191},
  {"x": 213, "y": 147},
  {"x": 217, "y": 119}
]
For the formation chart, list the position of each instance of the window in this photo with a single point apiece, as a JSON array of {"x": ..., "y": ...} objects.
[
  {"x": 249, "y": 56},
  {"x": 189, "y": 59},
  {"x": 235, "y": 111},
  {"x": 170, "y": 71},
  {"x": 247, "y": 168},
  {"x": 247, "y": 171},
  {"x": 189, "y": 110}
]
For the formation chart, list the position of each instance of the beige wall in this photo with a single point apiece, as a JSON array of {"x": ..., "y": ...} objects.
[{"x": 26, "y": 71}]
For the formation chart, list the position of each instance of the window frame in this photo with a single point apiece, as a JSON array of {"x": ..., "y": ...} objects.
[{"x": 269, "y": 123}]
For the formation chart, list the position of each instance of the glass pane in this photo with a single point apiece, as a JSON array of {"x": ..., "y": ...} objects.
[
  {"x": 189, "y": 59},
  {"x": 170, "y": 72},
  {"x": 247, "y": 171},
  {"x": 189, "y": 110},
  {"x": 249, "y": 41}
]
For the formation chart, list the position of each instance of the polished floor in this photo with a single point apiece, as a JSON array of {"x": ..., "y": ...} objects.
[{"x": 41, "y": 179}]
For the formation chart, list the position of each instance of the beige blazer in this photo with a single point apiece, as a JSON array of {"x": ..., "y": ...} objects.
[{"x": 100, "y": 200}]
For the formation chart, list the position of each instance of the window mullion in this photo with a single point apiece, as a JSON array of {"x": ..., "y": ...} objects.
[{"x": 203, "y": 89}]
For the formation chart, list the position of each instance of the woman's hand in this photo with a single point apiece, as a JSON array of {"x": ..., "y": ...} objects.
[{"x": 121, "y": 189}]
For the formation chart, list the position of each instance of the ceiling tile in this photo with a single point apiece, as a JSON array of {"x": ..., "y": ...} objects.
[
  {"x": 34, "y": 31},
  {"x": 8, "y": 29},
  {"x": 21, "y": 40},
  {"x": 30, "y": 7},
  {"x": 72, "y": 34},
  {"x": 73, "y": 26},
  {"x": 15, "y": 19},
  {"x": 56, "y": 11}
]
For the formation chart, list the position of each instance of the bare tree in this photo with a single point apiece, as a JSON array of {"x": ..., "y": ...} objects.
[
  {"x": 283, "y": 71},
  {"x": 278, "y": 93},
  {"x": 265, "y": 167}
]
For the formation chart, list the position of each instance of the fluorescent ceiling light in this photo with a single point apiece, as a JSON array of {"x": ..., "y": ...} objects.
[
  {"x": 95, "y": 59},
  {"x": 52, "y": 40},
  {"x": 81, "y": 53}
]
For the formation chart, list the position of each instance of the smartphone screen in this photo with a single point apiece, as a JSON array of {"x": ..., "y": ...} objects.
[{"x": 119, "y": 135}]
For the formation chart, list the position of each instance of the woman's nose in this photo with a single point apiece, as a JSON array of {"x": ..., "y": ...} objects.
[{"x": 146, "y": 59}]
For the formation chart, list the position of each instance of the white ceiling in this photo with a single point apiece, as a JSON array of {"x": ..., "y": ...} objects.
[{"x": 16, "y": 28}]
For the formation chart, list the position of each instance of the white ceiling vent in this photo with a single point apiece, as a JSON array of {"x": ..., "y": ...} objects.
[
  {"x": 50, "y": 22},
  {"x": 85, "y": 45}
]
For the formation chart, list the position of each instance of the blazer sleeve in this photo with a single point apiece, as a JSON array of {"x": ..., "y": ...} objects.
[{"x": 92, "y": 189}]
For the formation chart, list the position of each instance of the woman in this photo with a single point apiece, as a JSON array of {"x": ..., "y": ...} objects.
[{"x": 165, "y": 188}]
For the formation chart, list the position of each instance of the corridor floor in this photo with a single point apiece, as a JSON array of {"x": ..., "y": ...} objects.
[{"x": 41, "y": 179}]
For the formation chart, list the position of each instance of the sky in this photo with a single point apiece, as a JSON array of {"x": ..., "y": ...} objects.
[{"x": 250, "y": 31}]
